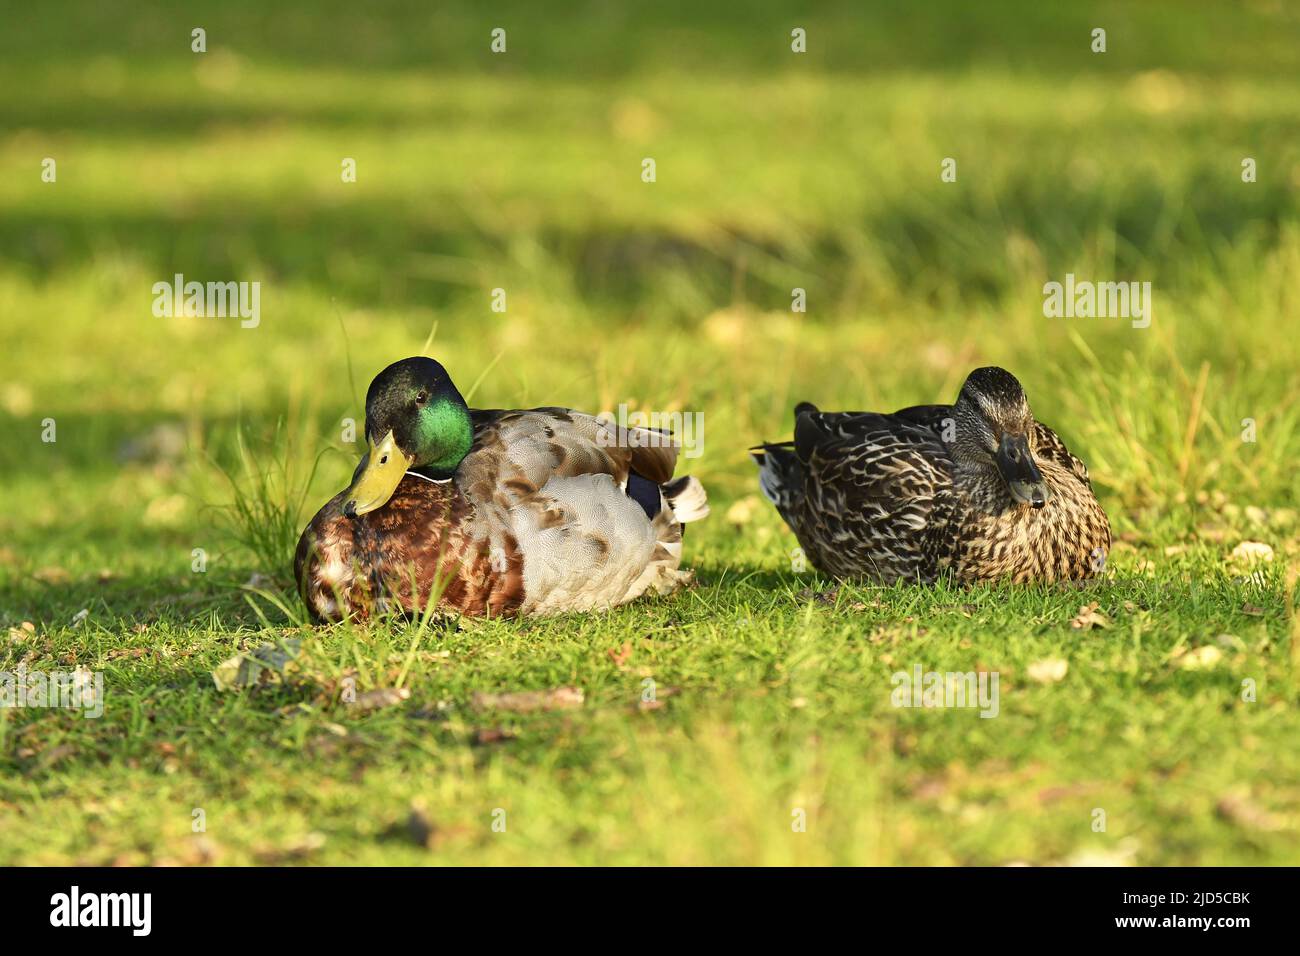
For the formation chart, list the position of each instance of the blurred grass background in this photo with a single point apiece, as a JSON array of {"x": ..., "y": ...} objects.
[{"x": 522, "y": 171}]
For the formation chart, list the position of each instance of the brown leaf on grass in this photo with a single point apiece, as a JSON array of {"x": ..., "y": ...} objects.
[
  {"x": 56, "y": 754},
  {"x": 620, "y": 655},
  {"x": 742, "y": 511},
  {"x": 379, "y": 698},
  {"x": 1231, "y": 642},
  {"x": 265, "y": 665},
  {"x": 1050, "y": 670},
  {"x": 896, "y": 632},
  {"x": 1238, "y": 808},
  {"x": 1089, "y": 617},
  {"x": 1199, "y": 658},
  {"x": 204, "y": 852},
  {"x": 1250, "y": 552},
  {"x": 1254, "y": 610},
  {"x": 931, "y": 788},
  {"x": 1065, "y": 791},
  {"x": 298, "y": 848},
  {"x": 527, "y": 701},
  {"x": 491, "y": 735},
  {"x": 23, "y": 633},
  {"x": 830, "y": 596},
  {"x": 52, "y": 575},
  {"x": 821, "y": 597}
]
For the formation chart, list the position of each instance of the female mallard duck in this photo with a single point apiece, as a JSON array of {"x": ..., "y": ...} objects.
[
  {"x": 494, "y": 512},
  {"x": 977, "y": 490}
]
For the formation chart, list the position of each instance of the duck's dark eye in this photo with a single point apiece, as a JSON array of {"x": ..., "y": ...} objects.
[{"x": 421, "y": 398}]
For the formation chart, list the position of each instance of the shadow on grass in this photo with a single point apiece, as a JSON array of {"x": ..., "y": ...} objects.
[
  {"x": 1157, "y": 234},
  {"x": 121, "y": 604},
  {"x": 609, "y": 40}
]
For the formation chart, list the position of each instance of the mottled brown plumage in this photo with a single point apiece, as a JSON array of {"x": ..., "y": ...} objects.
[
  {"x": 537, "y": 519},
  {"x": 974, "y": 491}
]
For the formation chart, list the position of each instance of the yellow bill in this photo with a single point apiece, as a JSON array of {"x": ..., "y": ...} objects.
[{"x": 385, "y": 466}]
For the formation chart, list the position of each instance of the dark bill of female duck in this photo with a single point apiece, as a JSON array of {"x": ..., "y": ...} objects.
[
  {"x": 416, "y": 420},
  {"x": 1016, "y": 463},
  {"x": 993, "y": 427}
]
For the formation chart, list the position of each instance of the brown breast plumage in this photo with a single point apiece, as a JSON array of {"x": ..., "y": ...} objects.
[{"x": 425, "y": 545}]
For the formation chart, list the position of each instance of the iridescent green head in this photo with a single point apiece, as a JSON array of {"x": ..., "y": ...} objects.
[{"x": 415, "y": 419}]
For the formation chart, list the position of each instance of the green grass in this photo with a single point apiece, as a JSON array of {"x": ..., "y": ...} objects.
[{"x": 523, "y": 172}]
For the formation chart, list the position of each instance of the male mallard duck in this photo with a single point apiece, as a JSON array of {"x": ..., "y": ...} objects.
[
  {"x": 977, "y": 490},
  {"x": 494, "y": 512}
]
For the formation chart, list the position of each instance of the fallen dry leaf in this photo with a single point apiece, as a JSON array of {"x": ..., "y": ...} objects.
[
  {"x": 1050, "y": 670},
  {"x": 831, "y": 595},
  {"x": 824, "y": 597},
  {"x": 1065, "y": 791},
  {"x": 1200, "y": 658},
  {"x": 380, "y": 697},
  {"x": 1089, "y": 617},
  {"x": 1256, "y": 515},
  {"x": 56, "y": 754},
  {"x": 620, "y": 655},
  {"x": 1238, "y": 808},
  {"x": 931, "y": 788},
  {"x": 296, "y": 849},
  {"x": 743, "y": 511},
  {"x": 524, "y": 701},
  {"x": 263, "y": 666},
  {"x": 1249, "y": 552}
]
